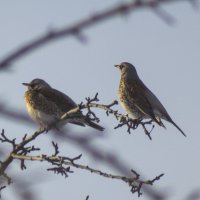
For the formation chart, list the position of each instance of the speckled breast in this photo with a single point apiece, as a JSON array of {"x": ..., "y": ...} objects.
[{"x": 127, "y": 102}]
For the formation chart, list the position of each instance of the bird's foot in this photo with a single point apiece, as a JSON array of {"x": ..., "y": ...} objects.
[
  {"x": 42, "y": 129},
  {"x": 136, "y": 121}
]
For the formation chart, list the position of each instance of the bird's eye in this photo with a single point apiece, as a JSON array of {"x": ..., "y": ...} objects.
[
  {"x": 33, "y": 85},
  {"x": 121, "y": 67}
]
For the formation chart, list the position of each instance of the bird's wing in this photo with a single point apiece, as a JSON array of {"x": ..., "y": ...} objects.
[
  {"x": 136, "y": 92},
  {"x": 161, "y": 109},
  {"x": 157, "y": 105},
  {"x": 60, "y": 99},
  {"x": 65, "y": 103}
]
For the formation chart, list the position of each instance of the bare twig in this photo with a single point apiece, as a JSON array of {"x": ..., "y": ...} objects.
[
  {"x": 110, "y": 159},
  {"x": 17, "y": 148},
  {"x": 123, "y": 119},
  {"x": 87, "y": 198},
  {"x": 134, "y": 182},
  {"x": 3, "y": 139},
  {"x": 9, "y": 180},
  {"x": 56, "y": 150},
  {"x": 1, "y": 188},
  {"x": 96, "y": 153}
]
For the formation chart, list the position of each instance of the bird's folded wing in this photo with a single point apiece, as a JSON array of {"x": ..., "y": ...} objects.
[
  {"x": 64, "y": 102},
  {"x": 136, "y": 93},
  {"x": 37, "y": 101},
  {"x": 157, "y": 105}
]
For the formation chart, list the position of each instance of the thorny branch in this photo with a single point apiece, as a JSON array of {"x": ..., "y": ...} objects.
[
  {"x": 96, "y": 153},
  {"x": 62, "y": 166},
  {"x": 17, "y": 149},
  {"x": 124, "y": 120},
  {"x": 77, "y": 28}
]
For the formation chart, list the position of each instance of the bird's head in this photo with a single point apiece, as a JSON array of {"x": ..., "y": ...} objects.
[
  {"x": 127, "y": 70},
  {"x": 37, "y": 84}
]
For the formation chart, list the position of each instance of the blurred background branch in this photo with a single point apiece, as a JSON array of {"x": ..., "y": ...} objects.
[{"x": 77, "y": 28}]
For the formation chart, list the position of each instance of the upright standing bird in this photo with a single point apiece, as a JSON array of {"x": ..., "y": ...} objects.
[
  {"x": 138, "y": 100},
  {"x": 46, "y": 106}
]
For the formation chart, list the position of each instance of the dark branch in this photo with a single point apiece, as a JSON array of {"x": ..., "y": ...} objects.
[
  {"x": 17, "y": 148},
  {"x": 56, "y": 150},
  {"x": 1, "y": 188},
  {"x": 87, "y": 198},
  {"x": 3, "y": 139},
  {"x": 78, "y": 27},
  {"x": 96, "y": 153},
  {"x": 63, "y": 164},
  {"x": 124, "y": 120}
]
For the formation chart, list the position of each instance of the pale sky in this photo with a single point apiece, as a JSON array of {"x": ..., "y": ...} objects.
[{"x": 167, "y": 59}]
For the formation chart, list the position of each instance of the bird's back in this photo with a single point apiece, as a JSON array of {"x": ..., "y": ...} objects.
[{"x": 64, "y": 102}]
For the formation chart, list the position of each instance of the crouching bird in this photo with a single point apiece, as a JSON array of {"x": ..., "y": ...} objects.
[
  {"x": 138, "y": 101},
  {"x": 47, "y": 105}
]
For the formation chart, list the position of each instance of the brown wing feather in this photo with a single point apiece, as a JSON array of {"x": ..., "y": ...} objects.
[
  {"x": 64, "y": 102},
  {"x": 136, "y": 91}
]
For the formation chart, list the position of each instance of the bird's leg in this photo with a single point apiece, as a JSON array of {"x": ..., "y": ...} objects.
[
  {"x": 45, "y": 127},
  {"x": 134, "y": 123},
  {"x": 42, "y": 128},
  {"x": 52, "y": 126}
]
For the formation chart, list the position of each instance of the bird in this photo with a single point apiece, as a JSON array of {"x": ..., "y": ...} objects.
[
  {"x": 138, "y": 101},
  {"x": 46, "y": 106}
]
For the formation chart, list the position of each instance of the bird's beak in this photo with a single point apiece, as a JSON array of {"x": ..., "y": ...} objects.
[
  {"x": 116, "y": 66},
  {"x": 26, "y": 84}
]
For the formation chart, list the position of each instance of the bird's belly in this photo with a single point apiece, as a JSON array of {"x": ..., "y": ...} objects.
[
  {"x": 132, "y": 111},
  {"x": 40, "y": 117}
]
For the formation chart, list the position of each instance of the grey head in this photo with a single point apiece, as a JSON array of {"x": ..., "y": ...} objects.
[
  {"x": 127, "y": 70},
  {"x": 37, "y": 84}
]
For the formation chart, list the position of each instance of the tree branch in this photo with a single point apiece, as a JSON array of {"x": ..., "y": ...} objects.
[
  {"x": 16, "y": 148},
  {"x": 96, "y": 153},
  {"x": 123, "y": 119},
  {"x": 134, "y": 182},
  {"x": 21, "y": 150},
  {"x": 78, "y": 27}
]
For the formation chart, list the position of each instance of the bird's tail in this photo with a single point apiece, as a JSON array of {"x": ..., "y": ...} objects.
[
  {"x": 169, "y": 119},
  {"x": 93, "y": 125},
  {"x": 177, "y": 127}
]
